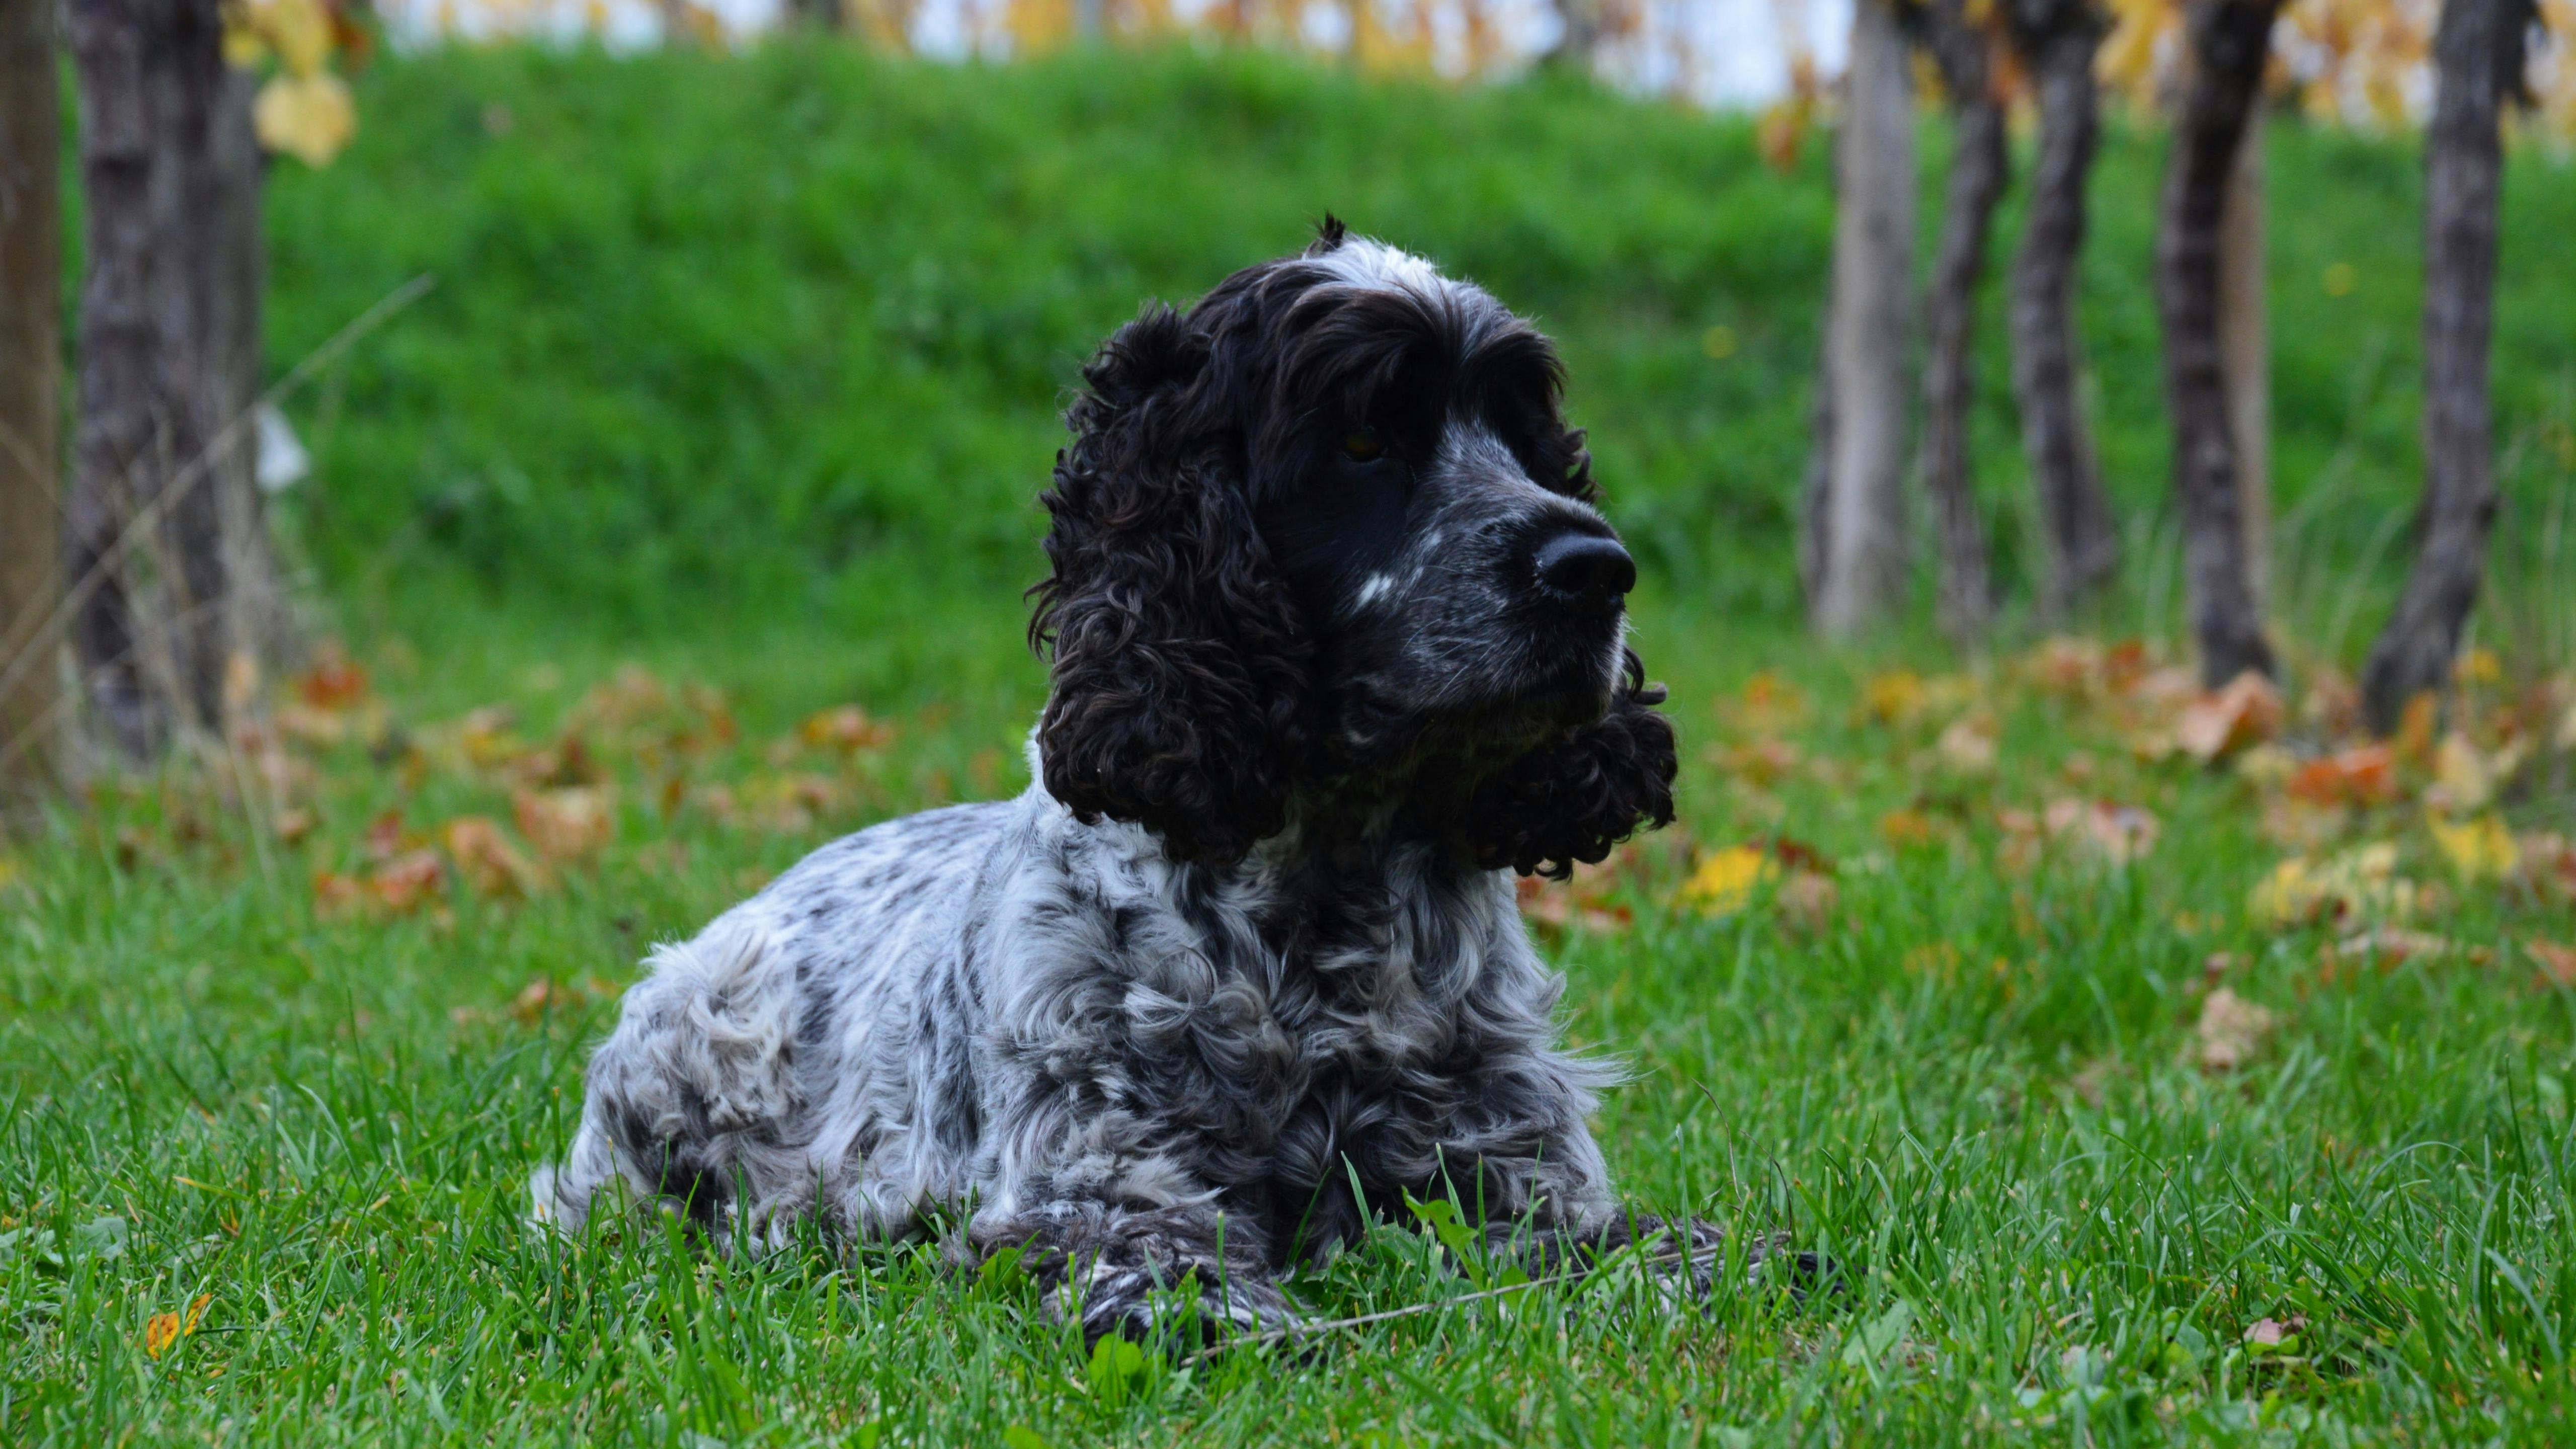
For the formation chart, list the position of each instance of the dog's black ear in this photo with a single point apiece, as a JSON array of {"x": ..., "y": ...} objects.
[
  {"x": 1180, "y": 661},
  {"x": 1581, "y": 793}
]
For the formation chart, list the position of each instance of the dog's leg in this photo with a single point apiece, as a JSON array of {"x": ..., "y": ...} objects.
[{"x": 1130, "y": 1271}]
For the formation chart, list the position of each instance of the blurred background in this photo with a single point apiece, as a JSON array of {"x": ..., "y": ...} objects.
[{"x": 701, "y": 325}]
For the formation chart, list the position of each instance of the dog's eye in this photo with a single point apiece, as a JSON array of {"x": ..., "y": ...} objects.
[{"x": 1363, "y": 445}]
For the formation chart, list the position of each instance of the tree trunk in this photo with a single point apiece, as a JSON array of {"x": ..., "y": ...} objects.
[
  {"x": 2229, "y": 40},
  {"x": 2478, "y": 54},
  {"x": 2080, "y": 540},
  {"x": 1855, "y": 553},
  {"x": 2245, "y": 347},
  {"x": 147, "y": 507},
  {"x": 1978, "y": 166},
  {"x": 30, "y": 367}
]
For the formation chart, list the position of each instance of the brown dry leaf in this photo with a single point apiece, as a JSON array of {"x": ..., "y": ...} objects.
[
  {"x": 1766, "y": 704},
  {"x": 2390, "y": 945},
  {"x": 1906, "y": 829},
  {"x": 630, "y": 696},
  {"x": 487, "y": 860},
  {"x": 2245, "y": 712},
  {"x": 336, "y": 896},
  {"x": 2231, "y": 1030},
  {"x": 2302, "y": 827},
  {"x": 1809, "y": 900},
  {"x": 2414, "y": 738},
  {"x": 2364, "y": 775},
  {"x": 541, "y": 995},
  {"x": 332, "y": 681},
  {"x": 408, "y": 881},
  {"x": 2332, "y": 705},
  {"x": 1557, "y": 907},
  {"x": 2116, "y": 834},
  {"x": 2557, "y": 963},
  {"x": 2273, "y": 1332},
  {"x": 293, "y": 824},
  {"x": 567, "y": 823},
  {"x": 1760, "y": 763},
  {"x": 846, "y": 728},
  {"x": 1969, "y": 746},
  {"x": 2548, "y": 863}
]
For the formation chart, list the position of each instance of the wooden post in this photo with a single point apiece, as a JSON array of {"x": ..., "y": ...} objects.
[
  {"x": 1855, "y": 545},
  {"x": 30, "y": 371}
]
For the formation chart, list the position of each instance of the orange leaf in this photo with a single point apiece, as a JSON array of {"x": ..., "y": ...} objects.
[
  {"x": 159, "y": 1332},
  {"x": 2247, "y": 711},
  {"x": 2365, "y": 775},
  {"x": 846, "y": 728},
  {"x": 333, "y": 681},
  {"x": 486, "y": 858}
]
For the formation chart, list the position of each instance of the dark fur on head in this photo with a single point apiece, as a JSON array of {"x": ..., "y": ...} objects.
[{"x": 1219, "y": 663}]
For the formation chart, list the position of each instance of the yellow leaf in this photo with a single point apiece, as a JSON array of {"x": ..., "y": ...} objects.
[
  {"x": 309, "y": 117},
  {"x": 301, "y": 31},
  {"x": 2479, "y": 849},
  {"x": 1726, "y": 880},
  {"x": 159, "y": 1332},
  {"x": 2361, "y": 883},
  {"x": 1894, "y": 697},
  {"x": 196, "y": 1310}
]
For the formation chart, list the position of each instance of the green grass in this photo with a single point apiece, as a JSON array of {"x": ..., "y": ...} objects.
[
  {"x": 717, "y": 339},
  {"x": 746, "y": 369}
]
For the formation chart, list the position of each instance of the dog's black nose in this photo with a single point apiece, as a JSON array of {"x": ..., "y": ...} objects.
[{"x": 1586, "y": 568}]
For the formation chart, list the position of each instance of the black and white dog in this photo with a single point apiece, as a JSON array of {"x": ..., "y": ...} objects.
[{"x": 1338, "y": 645}]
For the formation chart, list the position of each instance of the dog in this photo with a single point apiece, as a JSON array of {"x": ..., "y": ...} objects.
[{"x": 1338, "y": 644}]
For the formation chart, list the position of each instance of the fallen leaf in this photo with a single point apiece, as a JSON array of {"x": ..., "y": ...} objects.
[
  {"x": 309, "y": 117},
  {"x": 2246, "y": 711},
  {"x": 1893, "y": 698},
  {"x": 567, "y": 823},
  {"x": 1907, "y": 828},
  {"x": 160, "y": 1331},
  {"x": 487, "y": 860},
  {"x": 408, "y": 881},
  {"x": 2393, "y": 944},
  {"x": 2361, "y": 884},
  {"x": 1969, "y": 744},
  {"x": 1557, "y": 906},
  {"x": 332, "y": 681},
  {"x": 2117, "y": 834},
  {"x": 336, "y": 896},
  {"x": 2266, "y": 766},
  {"x": 293, "y": 824},
  {"x": 2557, "y": 963},
  {"x": 1760, "y": 763},
  {"x": 1767, "y": 703},
  {"x": 2274, "y": 1332},
  {"x": 846, "y": 728},
  {"x": 2365, "y": 775},
  {"x": 1726, "y": 880},
  {"x": 2479, "y": 849},
  {"x": 1809, "y": 900},
  {"x": 2231, "y": 1030},
  {"x": 2465, "y": 778}
]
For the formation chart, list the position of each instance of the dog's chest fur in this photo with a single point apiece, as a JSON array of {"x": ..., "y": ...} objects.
[{"x": 1300, "y": 1024}]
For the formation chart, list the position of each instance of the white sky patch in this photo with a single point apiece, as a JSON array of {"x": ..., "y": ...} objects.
[{"x": 1723, "y": 54}]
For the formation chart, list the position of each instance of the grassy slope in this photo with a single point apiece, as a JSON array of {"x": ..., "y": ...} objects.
[
  {"x": 678, "y": 382},
  {"x": 787, "y": 336}
]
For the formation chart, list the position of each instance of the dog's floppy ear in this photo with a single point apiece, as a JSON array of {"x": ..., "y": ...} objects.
[
  {"x": 1180, "y": 661},
  {"x": 1577, "y": 795}
]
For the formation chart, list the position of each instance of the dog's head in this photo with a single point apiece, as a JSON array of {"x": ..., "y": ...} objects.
[{"x": 1328, "y": 532}]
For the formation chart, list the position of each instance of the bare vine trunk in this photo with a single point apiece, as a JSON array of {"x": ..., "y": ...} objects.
[
  {"x": 1978, "y": 166},
  {"x": 2478, "y": 54},
  {"x": 2229, "y": 40},
  {"x": 2081, "y": 541},
  {"x": 30, "y": 366},
  {"x": 161, "y": 527},
  {"x": 1855, "y": 552},
  {"x": 2245, "y": 342}
]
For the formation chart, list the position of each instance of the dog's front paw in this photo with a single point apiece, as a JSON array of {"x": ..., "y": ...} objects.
[{"x": 1181, "y": 1317}]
